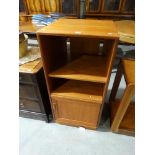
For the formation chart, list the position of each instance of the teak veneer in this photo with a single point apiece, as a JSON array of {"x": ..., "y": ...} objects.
[
  {"x": 79, "y": 90},
  {"x": 77, "y": 59},
  {"x": 81, "y": 27}
]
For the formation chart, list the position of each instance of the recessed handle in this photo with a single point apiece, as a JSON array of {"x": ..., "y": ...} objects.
[{"x": 55, "y": 109}]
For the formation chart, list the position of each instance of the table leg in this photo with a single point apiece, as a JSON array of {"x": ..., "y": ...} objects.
[{"x": 125, "y": 101}]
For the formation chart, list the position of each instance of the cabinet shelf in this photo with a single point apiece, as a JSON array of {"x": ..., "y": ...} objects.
[
  {"x": 86, "y": 68},
  {"x": 79, "y": 90}
]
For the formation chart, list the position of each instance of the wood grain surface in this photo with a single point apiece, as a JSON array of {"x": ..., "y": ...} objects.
[
  {"x": 81, "y": 27},
  {"x": 79, "y": 90}
]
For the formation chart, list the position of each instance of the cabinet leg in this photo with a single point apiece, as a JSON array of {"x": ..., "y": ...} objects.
[{"x": 116, "y": 83}]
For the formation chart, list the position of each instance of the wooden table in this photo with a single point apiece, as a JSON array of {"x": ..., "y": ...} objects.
[
  {"x": 27, "y": 27},
  {"x": 126, "y": 31},
  {"x": 123, "y": 109},
  {"x": 31, "y": 67}
]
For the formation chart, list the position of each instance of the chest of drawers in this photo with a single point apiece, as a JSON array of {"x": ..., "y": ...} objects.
[{"x": 33, "y": 96}]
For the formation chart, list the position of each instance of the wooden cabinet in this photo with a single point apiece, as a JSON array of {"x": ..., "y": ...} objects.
[
  {"x": 77, "y": 58},
  {"x": 111, "y": 5},
  {"x": 68, "y": 7},
  {"x": 110, "y": 8},
  {"x": 128, "y": 6},
  {"x": 94, "y": 8},
  {"x": 41, "y": 6},
  {"x": 33, "y": 97}
]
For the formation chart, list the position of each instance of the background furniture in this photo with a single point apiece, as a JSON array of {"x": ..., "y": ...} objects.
[
  {"x": 111, "y": 8},
  {"x": 126, "y": 31},
  {"x": 119, "y": 9},
  {"x": 30, "y": 7},
  {"x": 33, "y": 96},
  {"x": 123, "y": 110},
  {"x": 77, "y": 58}
]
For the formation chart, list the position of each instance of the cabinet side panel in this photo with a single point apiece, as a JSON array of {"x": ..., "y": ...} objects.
[{"x": 53, "y": 54}]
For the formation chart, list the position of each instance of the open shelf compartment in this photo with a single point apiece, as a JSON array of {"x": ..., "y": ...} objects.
[
  {"x": 79, "y": 90},
  {"x": 86, "y": 68}
]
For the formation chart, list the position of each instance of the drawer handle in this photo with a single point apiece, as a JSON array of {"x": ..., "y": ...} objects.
[
  {"x": 20, "y": 78},
  {"x": 55, "y": 109},
  {"x": 21, "y": 104}
]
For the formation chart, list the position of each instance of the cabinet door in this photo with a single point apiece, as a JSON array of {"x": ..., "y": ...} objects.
[
  {"x": 128, "y": 6},
  {"x": 111, "y": 5},
  {"x": 93, "y": 6},
  {"x": 76, "y": 113},
  {"x": 69, "y": 7}
]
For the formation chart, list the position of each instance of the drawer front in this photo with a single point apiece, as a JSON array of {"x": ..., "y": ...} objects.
[
  {"x": 30, "y": 105},
  {"x": 25, "y": 78},
  {"x": 27, "y": 91}
]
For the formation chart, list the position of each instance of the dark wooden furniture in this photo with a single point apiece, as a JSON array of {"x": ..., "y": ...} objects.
[
  {"x": 33, "y": 96},
  {"x": 77, "y": 59},
  {"x": 120, "y": 9},
  {"x": 110, "y": 8},
  {"x": 123, "y": 110}
]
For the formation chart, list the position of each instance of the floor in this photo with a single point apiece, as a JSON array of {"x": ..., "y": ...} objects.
[{"x": 40, "y": 138}]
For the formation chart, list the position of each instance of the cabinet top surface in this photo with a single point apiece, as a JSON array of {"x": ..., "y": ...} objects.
[
  {"x": 81, "y": 27},
  {"x": 31, "y": 67}
]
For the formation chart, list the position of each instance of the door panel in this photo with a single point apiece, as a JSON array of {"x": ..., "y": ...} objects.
[
  {"x": 128, "y": 6},
  {"x": 93, "y": 5},
  {"x": 76, "y": 111},
  {"x": 69, "y": 6},
  {"x": 111, "y": 5}
]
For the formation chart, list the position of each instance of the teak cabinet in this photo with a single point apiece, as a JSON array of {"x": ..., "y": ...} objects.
[{"x": 77, "y": 59}]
